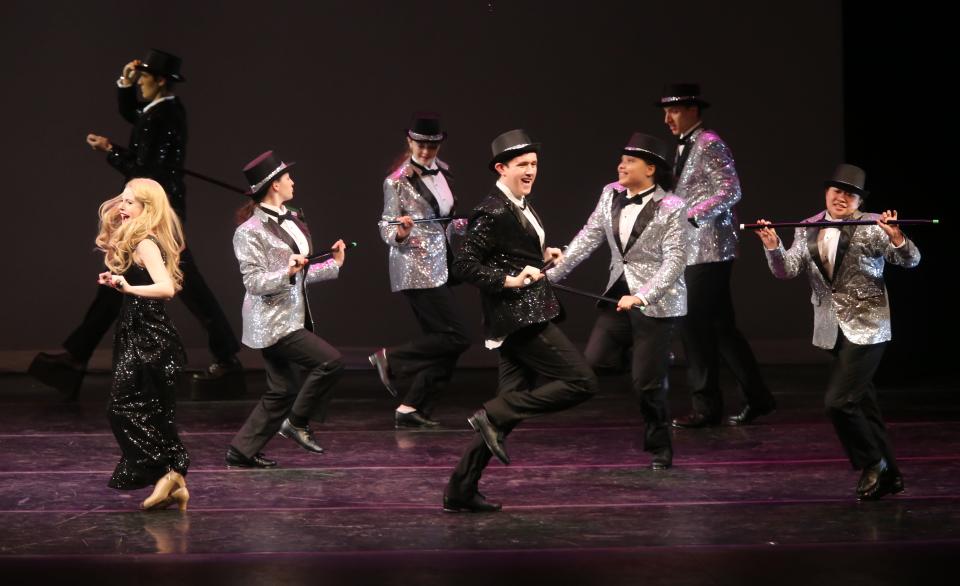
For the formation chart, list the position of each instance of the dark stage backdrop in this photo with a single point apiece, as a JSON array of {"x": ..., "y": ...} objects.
[{"x": 332, "y": 85}]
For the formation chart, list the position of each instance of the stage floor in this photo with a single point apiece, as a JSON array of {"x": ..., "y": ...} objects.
[{"x": 767, "y": 503}]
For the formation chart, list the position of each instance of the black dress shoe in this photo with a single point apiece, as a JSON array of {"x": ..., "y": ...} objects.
[
  {"x": 237, "y": 460},
  {"x": 750, "y": 413},
  {"x": 301, "y": 435},
  {"x": 475, "y": 504},
  {"x": 378, "y": 360},
  {"x": 876, "y": 481},
  {"x": 490, "y": 434},
  {"x": 220, "y": 369},
  {"x": 662, "y": 459},
  {"x": 413, "y": 420},
  {"x": 695, "y": 420},
  {"x": 61, "y": 371}
]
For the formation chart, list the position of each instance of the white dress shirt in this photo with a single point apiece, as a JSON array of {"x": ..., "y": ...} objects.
[
  {"x": 290, "y": 227},
  {"x": 628, "y": 217},
  {"x": 437, "y": 184}
]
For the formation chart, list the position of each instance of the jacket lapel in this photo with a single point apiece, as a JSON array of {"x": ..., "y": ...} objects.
[
  {"x": 519, "y": 215},
  {"x": 449, "y": 178},
  {"x": 616, "y": 210},
  {"x": 421, "y": 188},
  {"x": 275, "y": 229},
  {"x": 644, "y": 218},
  {"x": 681, "y": 160},
  {"x": 846, "y": 234},
  {"x": 814, "y": 249}
]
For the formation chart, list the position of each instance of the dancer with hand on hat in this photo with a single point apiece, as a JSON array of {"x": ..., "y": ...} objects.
[
  {"x": 646, "y": 228},
  {"x": 157, "y": 150},
  {"x": 271, "y": 244},
  {"x": 851, "y": 316},
  {"x": 419, "y": 259}
]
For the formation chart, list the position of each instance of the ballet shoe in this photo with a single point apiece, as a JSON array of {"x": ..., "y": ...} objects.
[{"x": 170, "y": 482}]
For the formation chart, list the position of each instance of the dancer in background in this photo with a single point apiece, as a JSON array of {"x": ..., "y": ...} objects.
[
  {"x": 707, "y": 182},
  {"x": 420, "y": 256},
  {"x": 157, "y": 150}
]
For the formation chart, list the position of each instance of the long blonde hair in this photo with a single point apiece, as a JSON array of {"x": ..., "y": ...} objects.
[{"x": 118, "y": 239}]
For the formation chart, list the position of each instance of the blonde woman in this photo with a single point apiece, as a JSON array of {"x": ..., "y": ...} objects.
[{"x": 141, "y": 238}]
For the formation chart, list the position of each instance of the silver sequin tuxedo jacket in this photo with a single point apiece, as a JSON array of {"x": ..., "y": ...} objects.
[
  {"x": 421, "y": 261},
  {"x": 856, "y": 298},
  {"x": 710, "y": 187},
  {"x": 274, "y": 305},
  {"x": 654, "y": 257}
]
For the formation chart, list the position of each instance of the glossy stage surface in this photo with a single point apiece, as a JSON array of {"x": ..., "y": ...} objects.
[{"x": 769, "y": 503}]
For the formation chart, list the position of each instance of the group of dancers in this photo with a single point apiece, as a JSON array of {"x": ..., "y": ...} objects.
[{"x": 667, "y": 220}]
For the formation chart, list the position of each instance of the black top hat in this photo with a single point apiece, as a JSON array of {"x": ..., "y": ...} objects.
[
  {"x": 848, "y": 178},
  {"x": 511, "y": 144},
  {"x": 426, "y": 127},
  {"x": 263, "y": 170},
  {"x": 681, "y": 94},
  {"x": 649, "y": 148},
  {"x": 161, "y": 63}
]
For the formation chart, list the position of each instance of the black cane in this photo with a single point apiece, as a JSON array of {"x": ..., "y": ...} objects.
[
  {"x": 425, "y": 220},
  {"x": 327, "y": 254},
  {"x": 837, "y": 224}
]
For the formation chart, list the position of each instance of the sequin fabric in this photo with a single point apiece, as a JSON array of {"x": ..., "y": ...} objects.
[
  {"x": 496, "y": 245},
  {"x": 157, "y": 147},
  {"x": 420, "y": 260},
  {"x": 653, "y": 265},
  {"x": 856, "y": 298},
  {"x": 147, "y": 360},
  {"x": 273, "y": 306},
  {"x": 710, "y": 187}
]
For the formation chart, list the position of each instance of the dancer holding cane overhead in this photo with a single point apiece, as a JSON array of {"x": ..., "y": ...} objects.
[
  {"x": 272, "y": 244},
  {"x": 851, "y": 316},
  {"x": 420, "y": 254},
  {"x": 646, "y": 229}
]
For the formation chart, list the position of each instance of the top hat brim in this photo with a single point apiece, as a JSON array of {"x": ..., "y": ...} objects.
[
  {"x": 645, "y": 154},
  {"x": 692, "y": 101},
  {"x": 146, "y": 69},
  {"x": 416, "y": 136},
  {"x": 266, "y": 183},
  {"x": 510, "y": 154},
  {"x": 846, "y": 187}
]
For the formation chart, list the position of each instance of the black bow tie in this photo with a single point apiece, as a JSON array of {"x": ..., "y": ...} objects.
[
  {"x": 280, "y": 217},
  {"x": 424, "y": 170},
  {"x": 625, "y": 201},
  {"x": 683, "y": 141}
]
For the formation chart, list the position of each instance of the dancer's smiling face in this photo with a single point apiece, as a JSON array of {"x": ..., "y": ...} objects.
[
  {"x": 129, "y": 207},
  {"x": 841, "y": 204},
  {"x": 519, "y": 173}
]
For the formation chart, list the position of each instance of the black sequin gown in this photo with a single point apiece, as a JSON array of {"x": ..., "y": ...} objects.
[{"x": 147, "y": 360}]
